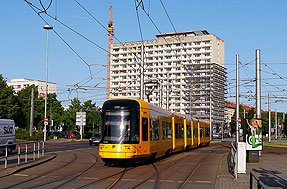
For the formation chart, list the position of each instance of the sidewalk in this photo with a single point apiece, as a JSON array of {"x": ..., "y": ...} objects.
[{"x": 271, "y": 170}]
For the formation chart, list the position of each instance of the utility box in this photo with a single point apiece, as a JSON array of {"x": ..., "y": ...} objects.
[
  {"x": 241, "y": 157},
  {"x": 252, "y": 156}
]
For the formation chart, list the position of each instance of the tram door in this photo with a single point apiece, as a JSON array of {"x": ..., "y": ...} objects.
[{"x": 144, "y": 147}]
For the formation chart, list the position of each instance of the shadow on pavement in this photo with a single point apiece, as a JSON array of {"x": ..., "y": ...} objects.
[{"x": 271, "y": 178}]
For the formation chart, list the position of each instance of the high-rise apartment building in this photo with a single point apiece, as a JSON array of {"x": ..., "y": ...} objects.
[{"x": 183, "y": 72}]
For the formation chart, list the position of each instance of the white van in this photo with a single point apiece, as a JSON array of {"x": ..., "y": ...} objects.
[{"x": 7, "y": 134}]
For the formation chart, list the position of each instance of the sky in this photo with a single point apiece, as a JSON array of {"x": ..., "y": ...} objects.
[{"x": 243, "y": 25}]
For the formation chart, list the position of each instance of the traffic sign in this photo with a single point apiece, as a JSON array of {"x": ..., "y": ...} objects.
[
  {"x": 80, "y": 118},
  {"x": 46, "y": 119},
  {"x": 239, "y": 120}
]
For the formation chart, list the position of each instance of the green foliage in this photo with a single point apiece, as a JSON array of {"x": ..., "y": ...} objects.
[
  {"x": 23, "y": 134},
  {"x": 285, "y": 127},
  {"x": 69, "y": 116},
  {"x": 18, "y": 108},
  {"x": 248, "y": 115},
  {"x": 9, "y": 105},
  {"x": 53, "y": 135}
]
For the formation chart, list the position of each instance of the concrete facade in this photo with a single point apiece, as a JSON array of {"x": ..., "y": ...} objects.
[
  {"x": 194, "y": 63},
  {"x": 19, "y": 84}
]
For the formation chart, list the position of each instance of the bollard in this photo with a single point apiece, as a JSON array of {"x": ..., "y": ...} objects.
[
  {"x": 6, "y": 157},
  {"x": 26, "y": 154},
  {"x": 43, "y": 149},
  {"x": 34, "y": 150},
  {"x": 38, "y": 149},
  {"x": 19, "y": 153}
]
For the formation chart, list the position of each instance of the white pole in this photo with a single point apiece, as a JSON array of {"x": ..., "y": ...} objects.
[
  {"x": 46, "y": 86},
  {"x": 258, "y": 85},
  {"x": 237, "y": 99},
  {"x": 276, "y": 123},
  {"x": 142, "y": 74},
  {"x": 167, "y": 91},
  {"x": 269, "y": 118}
]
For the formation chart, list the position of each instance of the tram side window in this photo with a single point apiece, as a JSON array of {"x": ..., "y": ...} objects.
[
  {"x": 144, "y": 129},
  {"x": 188, "y": 133},
  {"x": 154, "y": 130},
  {"x": 169, "y": 130},
  {"x": 176, "y": 130},
  {"x": 181, "y": 131},
  {"x": 201, "y": 132},
  {"x": 163, "y": 125},
  {"x": 207, "y": 132},
  {"x": 195, "y": 131}
]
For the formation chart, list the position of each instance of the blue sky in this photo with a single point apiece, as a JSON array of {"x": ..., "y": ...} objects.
[{"x": 244, "y": 26}]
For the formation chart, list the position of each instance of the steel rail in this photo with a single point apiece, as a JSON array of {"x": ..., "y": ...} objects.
[
  {"x": 81, "y": 173},
  {"x": 192, "y": 172},
  {"x": 46, "y": 173},
  {"x": 118, "y": 179},
  {"x": 157, "y": 173}
]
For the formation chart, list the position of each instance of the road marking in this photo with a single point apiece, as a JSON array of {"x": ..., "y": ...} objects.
[
  {"x": 129, "y": 179},
  {"x": 203, "y": 181},
  {"x": 21, "y": 175}
]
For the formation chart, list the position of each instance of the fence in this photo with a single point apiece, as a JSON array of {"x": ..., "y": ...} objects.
[
  {"x": 34, "y": 148},
  {"x": 259, "y": 182}
]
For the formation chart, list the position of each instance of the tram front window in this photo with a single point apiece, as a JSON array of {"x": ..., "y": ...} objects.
[{"x": 120, "y": 126}]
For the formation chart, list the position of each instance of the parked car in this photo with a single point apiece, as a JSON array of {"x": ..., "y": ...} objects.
[
  {"x": 64, "y": 135},
  {"x": 216, "y": 135},
  {"x": 75, "y": 132},
  {"x": 95, "y": 139},
  {"x": 71, "y": 135}
]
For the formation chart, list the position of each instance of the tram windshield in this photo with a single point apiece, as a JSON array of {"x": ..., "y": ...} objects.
[{"x": 120, "y": 123}]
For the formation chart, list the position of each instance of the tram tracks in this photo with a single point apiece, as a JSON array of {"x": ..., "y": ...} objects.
[
  {"x": 121, "y": 176},
  {"x": 45, "y": 173},
  {"x": 71, "y": 177},
  {"x": 190, "y": 174}
]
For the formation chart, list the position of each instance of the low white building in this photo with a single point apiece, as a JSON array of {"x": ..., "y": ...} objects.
[{"x": 19, "y": 84}]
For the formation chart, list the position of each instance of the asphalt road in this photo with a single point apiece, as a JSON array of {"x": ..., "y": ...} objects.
[{"x": 78, "y": 165}]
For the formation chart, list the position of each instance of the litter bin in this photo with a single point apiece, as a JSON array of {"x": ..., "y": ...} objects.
[{"x": 253, "y": 156}]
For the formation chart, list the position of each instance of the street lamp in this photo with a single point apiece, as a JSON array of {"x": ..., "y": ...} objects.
[{"x": 46, "y": 27}]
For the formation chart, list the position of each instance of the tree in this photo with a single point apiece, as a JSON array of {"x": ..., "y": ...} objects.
[
  {"x": 285, "y": 128},
  {"x": 92, "y": 117},
  {"x": 69, "y": 115},
  {"x": 53, "y": 107},
  {"x": 248, "y": 115},
  {"x": 9, "y": 106},
  {"x": 24, "y": 98}
]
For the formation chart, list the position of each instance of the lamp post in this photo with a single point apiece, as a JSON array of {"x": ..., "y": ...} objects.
[{"x": 46, "y": 27}]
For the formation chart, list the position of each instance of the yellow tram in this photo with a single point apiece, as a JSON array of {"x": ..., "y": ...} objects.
[{"x": 133, "y": 128}]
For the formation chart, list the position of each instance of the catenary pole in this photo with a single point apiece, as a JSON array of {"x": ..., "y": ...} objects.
[
  {"x": 269, "y": 118},
  {"x": 258, "y": 88},
  {"x": 142, "y": 74},
  {"x": 32, "y": 112},
  {"x": 258, "y": 85},
  {"x": 237, "y": 99},
  {"x": 167, "y": 91},
  {"x": 276, "y": 123}
]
